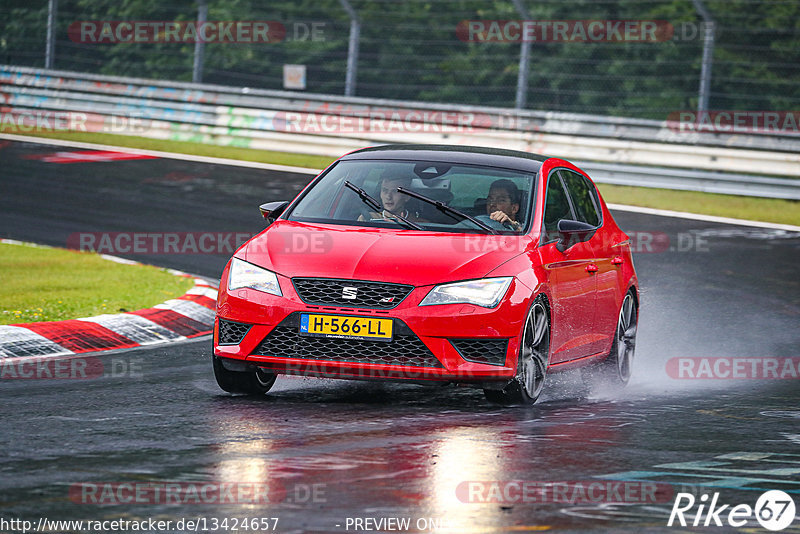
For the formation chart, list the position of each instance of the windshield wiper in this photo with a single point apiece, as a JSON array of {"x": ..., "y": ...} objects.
[
  {"x": 449, "y": 209},
  {"x": 372, "y": 203}
]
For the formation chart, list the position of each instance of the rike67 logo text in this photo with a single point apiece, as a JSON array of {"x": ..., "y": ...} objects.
[{"x": 774, "y": 510}]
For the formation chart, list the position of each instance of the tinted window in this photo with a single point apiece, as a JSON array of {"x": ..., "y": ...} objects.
[
  {"x": 583, "y": 199},
  {"x": 471, "y": 189},
  {"x": 556, "y": 206}
]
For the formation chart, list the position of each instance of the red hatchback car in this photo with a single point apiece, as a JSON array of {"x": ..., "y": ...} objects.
[{"x": 466, "y": 265}]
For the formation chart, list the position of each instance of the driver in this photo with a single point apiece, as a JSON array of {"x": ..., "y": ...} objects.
[
  {"x": 502, "y": 203},
  {"x": 393, "y": 201}
]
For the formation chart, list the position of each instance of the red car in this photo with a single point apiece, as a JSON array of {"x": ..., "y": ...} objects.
[{"x": 432, "y": 264}]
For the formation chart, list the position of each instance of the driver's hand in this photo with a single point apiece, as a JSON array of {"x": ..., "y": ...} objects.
[
  {"x": 503, "y": 218},
  {"x": 500, "y": 216}
]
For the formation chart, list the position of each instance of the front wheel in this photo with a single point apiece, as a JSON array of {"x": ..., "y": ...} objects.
[
  {"x": 526, "y": 387},
  {"x": 257, "y": 382}
]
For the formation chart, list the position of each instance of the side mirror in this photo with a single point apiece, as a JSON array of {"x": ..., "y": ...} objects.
[
  {"x": 571, "y": 232},
  {"x": 272, "y": 210}
]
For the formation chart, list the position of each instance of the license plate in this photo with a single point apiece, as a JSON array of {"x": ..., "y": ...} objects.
[{"x": 347, "y": 327}]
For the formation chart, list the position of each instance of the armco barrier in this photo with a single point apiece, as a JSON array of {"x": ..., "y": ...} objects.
[{"x": 258, "y": 119}]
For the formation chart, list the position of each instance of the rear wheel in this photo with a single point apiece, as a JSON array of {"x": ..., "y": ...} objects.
[
  {"x": 526, "y": 387},
  {"x": 616, "y": 368},
  {"x": 252, "y": 382}
]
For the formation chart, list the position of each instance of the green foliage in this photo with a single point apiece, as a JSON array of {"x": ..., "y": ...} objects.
[{"x": 409, "y": 50}]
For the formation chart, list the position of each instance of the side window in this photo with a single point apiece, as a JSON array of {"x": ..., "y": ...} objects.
[
  {"x": 556, "y": 205},
  {"x": 583, "y": 198}
]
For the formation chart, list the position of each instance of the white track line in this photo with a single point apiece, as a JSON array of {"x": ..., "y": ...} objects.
[
  {"x": 706, "y": 218},
  {"x": 303, "y": 170},
  {"x": 159, "y": 154}
]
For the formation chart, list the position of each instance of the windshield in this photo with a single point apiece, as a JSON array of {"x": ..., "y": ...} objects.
[{"x": 432, "y": 196}]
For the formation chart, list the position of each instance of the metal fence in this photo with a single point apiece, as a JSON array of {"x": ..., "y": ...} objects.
[{"x": 715, "y": 54}]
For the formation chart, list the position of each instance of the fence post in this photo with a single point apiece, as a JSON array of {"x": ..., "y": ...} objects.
[
  {"x": 524, "y": 53},
  {"x": 352, "y": 49},
  {"x": 199, "y": 45},
  {"x": 50, "y": 51},
  {"x": 708, "y": 55}
]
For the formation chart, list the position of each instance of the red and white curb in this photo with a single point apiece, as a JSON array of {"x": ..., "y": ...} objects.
[{"x": 188, "y": 316}]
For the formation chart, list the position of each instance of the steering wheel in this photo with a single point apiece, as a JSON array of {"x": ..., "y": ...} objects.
[{"x": 494, "y": 224}]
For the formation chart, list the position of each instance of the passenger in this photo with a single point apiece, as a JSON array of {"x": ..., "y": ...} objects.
[{"x": 502, "y": 203}]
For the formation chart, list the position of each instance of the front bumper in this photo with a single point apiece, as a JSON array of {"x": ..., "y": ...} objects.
[{"x": 431, "y": 343}]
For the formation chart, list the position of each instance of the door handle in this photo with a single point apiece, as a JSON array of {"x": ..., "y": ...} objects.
[
  {"x": 617, "y": 260},
  {"x": 591, "y": 268}
]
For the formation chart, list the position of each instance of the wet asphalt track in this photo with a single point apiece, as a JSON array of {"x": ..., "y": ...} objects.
[{"x": 334, "y": 450}]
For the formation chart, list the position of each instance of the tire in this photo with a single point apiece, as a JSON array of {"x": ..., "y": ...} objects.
[
  {"x": 615, "y": 370},
  {"x": 534, "y": 353},
  {"x": 257, "y": 382}
]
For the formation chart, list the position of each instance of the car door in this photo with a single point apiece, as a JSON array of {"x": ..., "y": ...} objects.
[
  {"x": 572, "y": 284},
  {"x": 585, "y": 200}
]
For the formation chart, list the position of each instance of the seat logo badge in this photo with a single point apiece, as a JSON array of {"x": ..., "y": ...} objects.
[{"x": 349, "y": 293}]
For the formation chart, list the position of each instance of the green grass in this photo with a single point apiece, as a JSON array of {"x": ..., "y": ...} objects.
[
  {"x": 739, "y": 207},
  {"x": 752, "y": 208},
  {"x": 47, "y": 284}
]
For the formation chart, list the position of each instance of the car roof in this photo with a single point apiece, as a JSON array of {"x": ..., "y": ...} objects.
[{"x": 492, "y": 157}]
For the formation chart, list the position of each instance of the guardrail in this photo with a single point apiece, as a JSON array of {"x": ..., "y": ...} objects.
[
  {"x": 688, "y": 180},
  {"x": 331, "y": 125}
]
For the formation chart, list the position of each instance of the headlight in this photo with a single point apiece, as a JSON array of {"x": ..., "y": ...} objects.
[
  {"x": 243, "y": 274},
  {"x": 486, "y": 292}
]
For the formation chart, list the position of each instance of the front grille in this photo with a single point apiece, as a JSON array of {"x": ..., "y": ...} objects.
[
  {"x": 405, "y": 348},
  {"x": 231, "y": 333},
  {"x": 488, "y": 351},
  {"x": 330, "y": 292}
]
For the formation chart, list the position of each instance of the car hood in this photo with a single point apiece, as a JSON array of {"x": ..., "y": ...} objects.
[{"x": 388, "y": 255}]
